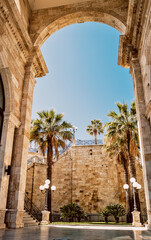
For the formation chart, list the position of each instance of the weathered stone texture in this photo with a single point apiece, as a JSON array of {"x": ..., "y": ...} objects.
[
  {"x": 45, "y": 22},
  {"x": 36, "y": 176},
  {"x": 85, "y": 175},
  {"x": 22, "y": 32}
]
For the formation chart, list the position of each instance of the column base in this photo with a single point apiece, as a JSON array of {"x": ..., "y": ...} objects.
[
  {"x": 148, "y": 226},
  {"x": 2, "y": 218},
  {"x": 14, "y": 218},
  {"x": 45, "y": 217},
  {"x": 149, "y": 220},
  {"x": 136, "y": 219}
]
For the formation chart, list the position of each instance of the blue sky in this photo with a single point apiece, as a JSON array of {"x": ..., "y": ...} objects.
[{"x": 84, "y": 81}]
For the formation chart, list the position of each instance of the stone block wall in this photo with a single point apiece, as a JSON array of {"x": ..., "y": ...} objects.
[
  {"x": 36, "y": 176},
  {"x": 85, "y": 175}
]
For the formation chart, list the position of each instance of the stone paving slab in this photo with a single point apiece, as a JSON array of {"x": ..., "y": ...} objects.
[{"x": 60, "y": 233}]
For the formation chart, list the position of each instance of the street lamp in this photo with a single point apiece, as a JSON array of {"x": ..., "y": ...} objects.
[
  {"x": 53, "y": 188},
  {"x": 44, "y": 189},
  {"x": 132, "y": 180},
  {"x": 126, "y": 187},
  {"x": 136, "y": 214},
  {"x": 74, "y": 129},
  {"x": 135, "y": 186}
]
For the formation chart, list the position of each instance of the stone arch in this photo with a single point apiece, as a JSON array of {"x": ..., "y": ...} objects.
[
  {"x": 50, "y": 27},
  {"x": 6, "y": 78}
]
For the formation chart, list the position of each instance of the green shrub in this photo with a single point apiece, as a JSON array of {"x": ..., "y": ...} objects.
[
  {"x": 105, "y": 213},
  {"x": 72, "y": 211},
  {"x": 117, "y": 210}
]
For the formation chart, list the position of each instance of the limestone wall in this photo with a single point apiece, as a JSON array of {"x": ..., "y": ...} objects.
[
  {"x": 85, "y": 175},
  {"x": 36, "y": 176}
]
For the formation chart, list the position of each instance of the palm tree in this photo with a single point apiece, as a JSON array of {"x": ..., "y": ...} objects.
[
  {"x": 51, "y": 133},
  {"x": 115, "y": 147},
  {"x": 124, "y": 126},
  {"x": 95, "y": 128}
]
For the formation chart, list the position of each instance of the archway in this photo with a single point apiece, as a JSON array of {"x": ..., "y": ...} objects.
[{"x": 29, "y": 23}]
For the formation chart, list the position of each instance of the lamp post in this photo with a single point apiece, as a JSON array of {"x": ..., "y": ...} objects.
[
  {"x": 74, "y": 128},
  {"x": 135, "y": 213},
  {"x": 135, "y": 186},
  {"x": 128, "y": 212},
  {"x": 45, "y": 189}
]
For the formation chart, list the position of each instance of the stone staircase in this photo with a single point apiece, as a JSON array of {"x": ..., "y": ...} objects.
[{"x": 29, "y": 220}]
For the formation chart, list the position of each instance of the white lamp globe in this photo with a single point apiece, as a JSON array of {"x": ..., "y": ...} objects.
[
  {"x": 132, "y": 180},
  {"x": 53, "y": 188},
  {"x": 139, "y": 186},
  {"x": 126, "y": 186},
  {"x": 46, "y": 186},
  {"x": 47, "y": 182},
  {"x": 135, "y": 184},
  {"x": 41, "y": 188},
  {"x": 75, "y": 128}
]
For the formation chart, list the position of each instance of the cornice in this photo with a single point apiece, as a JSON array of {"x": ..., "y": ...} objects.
[
  {"x": 18, "y": 36},
  {"x": 130, "y": 42}
]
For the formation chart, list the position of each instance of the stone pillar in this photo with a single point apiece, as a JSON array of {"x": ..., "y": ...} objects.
[
  {"x": 15, "y": 201},
  {"x": 136, "y": 219},
  {"x": 45, "y": 217},
  {"x": 144, "y": 131},
  {"x": 10, "y": 121}
]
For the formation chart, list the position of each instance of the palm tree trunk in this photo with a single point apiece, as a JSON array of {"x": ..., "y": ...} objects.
[
  {"x": 95, "y": 136},
  {"x": 132, "y": 170},
  {"x": 128, "y": 196},
  {"x": 49, "y": 174}
]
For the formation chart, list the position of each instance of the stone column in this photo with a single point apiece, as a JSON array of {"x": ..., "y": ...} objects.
[
  {"x": 10, "y": 121},
  {"x": 15, "y": 201},
  {"x": 144, "y": 131}
]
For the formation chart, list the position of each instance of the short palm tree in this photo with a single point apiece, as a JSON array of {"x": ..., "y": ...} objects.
[
  {"x": 95, "y": 128},
  {"x": 51, "y": 133}
]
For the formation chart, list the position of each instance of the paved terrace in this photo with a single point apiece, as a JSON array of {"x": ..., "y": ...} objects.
[{"x": 51, "y": 232}]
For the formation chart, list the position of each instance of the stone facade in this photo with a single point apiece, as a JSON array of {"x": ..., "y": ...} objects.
[
  {"x": 85, "y": 175},
  {"x": 24, "y": 26}
]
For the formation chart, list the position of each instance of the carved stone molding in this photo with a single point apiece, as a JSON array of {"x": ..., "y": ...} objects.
[
  {"x": 39, "y": 64},
  {"x": 132, "y": 40},
  {"x": 148, "y": 110},
  {"x": 13, "y": 119}
]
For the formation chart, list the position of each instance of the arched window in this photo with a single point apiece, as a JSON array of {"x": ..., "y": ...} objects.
[{"x": 2, "y": 105}]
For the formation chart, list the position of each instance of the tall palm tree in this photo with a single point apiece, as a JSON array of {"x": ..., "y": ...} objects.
[
  {"x": 95, "y": 128},
  {"x": 115, "y": 147},
  {"x": 51, "y": 133},
  {"x": 124, "y": 126}
]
